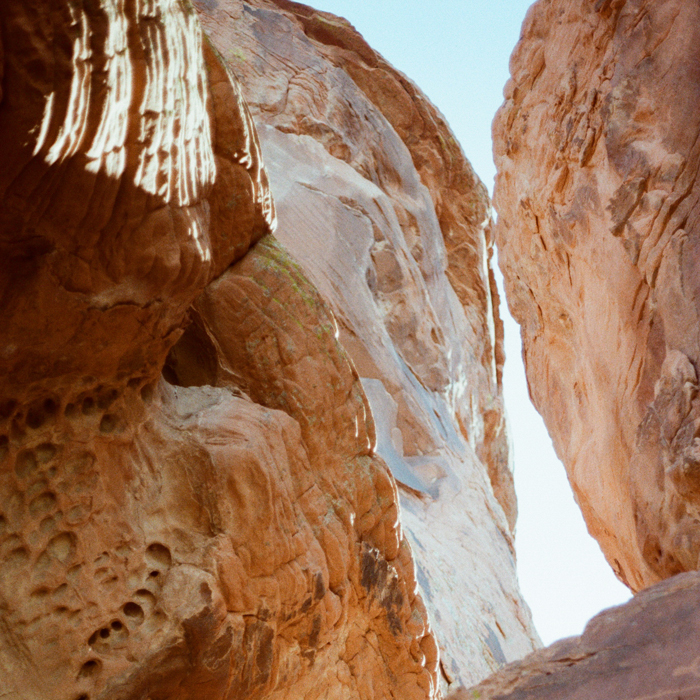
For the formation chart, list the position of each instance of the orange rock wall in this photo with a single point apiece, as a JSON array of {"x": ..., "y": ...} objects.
[
  {"x": 597, "y": 196},
  {"x": 237, "y": 540}
]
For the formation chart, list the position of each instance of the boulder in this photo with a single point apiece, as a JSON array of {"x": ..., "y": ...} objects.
[{"x": 646, "y": 648}]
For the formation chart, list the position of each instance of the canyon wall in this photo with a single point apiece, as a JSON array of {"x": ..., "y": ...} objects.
[
  {"x": 194, "y": 491},
  {"x": 598, "y": 202},
  {"x": 379, "y": 206},
  {"x": 597, "y": 197},
  {"x": 235, "y": 537}
]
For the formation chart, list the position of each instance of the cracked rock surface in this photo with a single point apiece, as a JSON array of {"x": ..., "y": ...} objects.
[{"x": 598, "y": 200}]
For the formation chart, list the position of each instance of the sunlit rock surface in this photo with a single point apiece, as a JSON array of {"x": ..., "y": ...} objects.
[
  {"x": 222, "y": 532},
  {"x": 110, "y": 222},
  {"x": 378, "y": 204},
  {"x": 597, "y": 194},
  {"x": 644, "y": 649}
]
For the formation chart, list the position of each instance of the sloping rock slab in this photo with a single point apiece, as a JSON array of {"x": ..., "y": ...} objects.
[{"x": 647, "y": 648}]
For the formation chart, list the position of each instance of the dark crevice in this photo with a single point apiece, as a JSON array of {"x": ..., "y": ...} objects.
[{"x": 193, "y": 360}]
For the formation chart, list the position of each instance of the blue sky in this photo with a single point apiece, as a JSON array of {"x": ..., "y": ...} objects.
[{"x": 457, "y": 52}]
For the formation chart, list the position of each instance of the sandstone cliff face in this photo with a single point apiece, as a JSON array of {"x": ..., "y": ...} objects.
[
  {"x": 227, "y": 533},
  {"x": 597, "y": 195},
  {"x": 379, "y": 206}
]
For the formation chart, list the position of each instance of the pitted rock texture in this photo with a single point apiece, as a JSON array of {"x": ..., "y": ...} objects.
[
  {"x": 379, "y": 206},
  {"x": 597, "y": 195},
  {"x": 161, "y": 540},
  {"x": 644, "y": 649}
]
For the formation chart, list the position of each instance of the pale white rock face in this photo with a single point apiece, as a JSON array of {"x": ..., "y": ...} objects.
[{"x": 330, "y": 218}]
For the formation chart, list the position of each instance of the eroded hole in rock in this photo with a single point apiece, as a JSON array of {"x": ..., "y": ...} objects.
[
  {"x": 49, "y": 524},
  {"x": 134, "y": 383},
  {"x": 106, "y": 397},
  {"x": 45, "y": 452},
  {"x": 90, "y": 668},
  {"x": 16, "y": 558},
  {"x": 25, "y": 464},
  {"x": 40, "y": 593},
  {"x": 40, "y": 413},
  {"x": 134, "y": 612},
  {"x": 113, "y": 636},
  {"x": 17, "y": 431},
  {"x": 62, "y": 590},
  {"x": 108, "y": 423},
  {"x": 63, "y": 546},
  {"x": 147, "y": 599},
  {"x": 77, "y": 514},
  {"x": 42, "y": 504},
  {"x": 36, "y": 488},
  {"x": 80, "y": 464},
  {"x": 193, "y": 359},
  {"x": 158, "y": 558},
  {"x": 4, "y": 446},
  {"x": 7, "y": 408},
  {"x": 147, "y": 392},
  {"x": 371, "y": 279}
]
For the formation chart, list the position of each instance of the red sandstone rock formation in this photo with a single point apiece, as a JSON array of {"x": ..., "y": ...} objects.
[
  {"x": 378, "y": 204},
  {"x": 644, "y": 649},
  {"x": 597, "y": 195},
  {"x": 232, "y": 538}
]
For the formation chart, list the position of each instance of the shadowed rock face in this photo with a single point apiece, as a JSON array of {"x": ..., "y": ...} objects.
[
  {"x": 162, "y": 541},
  {"x": 112, "y": 179},
  {"x": 644, "y": 649},
  {"x": 597, "y": 194},
  {"x": 383, "y": 212}
]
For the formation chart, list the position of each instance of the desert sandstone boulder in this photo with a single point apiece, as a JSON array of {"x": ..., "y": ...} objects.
[
  {"x": 644, "y": 649},
  {"x": 379, "y": 206},
  {"x": 597, "y": 152},
  {"x": 235, "y": 537}
]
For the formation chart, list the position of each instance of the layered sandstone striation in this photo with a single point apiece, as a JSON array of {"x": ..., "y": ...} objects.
[
  {"x": 383, "y": 212},
  {"x": 225, "y": 531},
  {"x": 644, "y": 649},
  {"x": 597, "y": 194}
]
